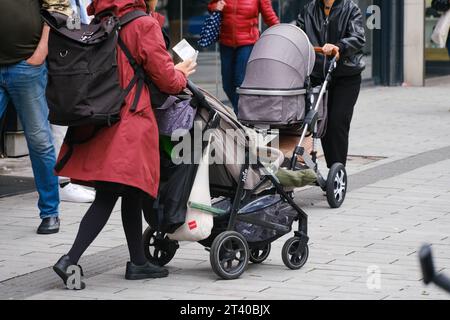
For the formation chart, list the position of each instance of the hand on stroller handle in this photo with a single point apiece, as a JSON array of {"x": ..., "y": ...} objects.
[{"x": 335, "y": 52}]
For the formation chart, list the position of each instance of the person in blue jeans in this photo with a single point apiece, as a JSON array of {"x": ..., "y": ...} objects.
[
  {"x": 23, "y": 81},
  {"x": 234, "y": 63},
  {"x": 239, "y": 32},
  {"x": 448, "y": 44}
]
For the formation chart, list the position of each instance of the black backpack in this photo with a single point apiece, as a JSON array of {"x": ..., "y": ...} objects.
[{"x": 83, "y": 79}]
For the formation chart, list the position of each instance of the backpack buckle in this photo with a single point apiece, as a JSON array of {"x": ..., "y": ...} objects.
[{"x": 86, "y": 36}]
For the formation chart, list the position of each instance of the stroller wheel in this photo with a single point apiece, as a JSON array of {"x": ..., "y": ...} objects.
[
  {"x": 158, "y": 248},
  {"x": 292, "y": 257},
  {"x": 336, "y": 185},
  {"x": 229, "y": 255},
  {"x": 260, "y": 255}
]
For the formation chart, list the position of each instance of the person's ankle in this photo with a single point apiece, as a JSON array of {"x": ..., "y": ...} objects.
[{"x": 139, "y": 263}]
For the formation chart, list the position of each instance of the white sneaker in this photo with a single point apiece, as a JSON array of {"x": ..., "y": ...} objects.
[{"x": 76, "y": 193}]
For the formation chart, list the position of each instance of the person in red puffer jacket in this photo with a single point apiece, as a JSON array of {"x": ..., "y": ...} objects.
[{"x": 239, "y": 32}]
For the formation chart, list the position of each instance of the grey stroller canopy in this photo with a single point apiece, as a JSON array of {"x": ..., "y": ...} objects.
[{"x": 273, "y": 91}]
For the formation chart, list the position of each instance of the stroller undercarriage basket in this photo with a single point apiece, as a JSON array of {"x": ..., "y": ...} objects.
[{"x": 270, "y": 209}]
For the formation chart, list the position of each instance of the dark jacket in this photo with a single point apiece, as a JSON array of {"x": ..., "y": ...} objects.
[{"x": 343, "y": 28}]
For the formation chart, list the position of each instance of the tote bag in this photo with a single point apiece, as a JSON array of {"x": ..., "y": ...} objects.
[{"x": 210, "y": 30}]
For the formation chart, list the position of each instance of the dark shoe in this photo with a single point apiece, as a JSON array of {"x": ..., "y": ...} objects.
[
  {"x": 49, "y": 226},
  {"x": 146, "y": 271},
  {"x": 61, "y": 270}
]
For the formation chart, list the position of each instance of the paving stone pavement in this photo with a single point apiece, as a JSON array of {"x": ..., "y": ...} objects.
[{"x": 381, "y": 225}]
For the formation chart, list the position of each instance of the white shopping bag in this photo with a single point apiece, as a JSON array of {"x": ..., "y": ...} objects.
[
  {"x": 198, "y": 223},
  {"x": 440, "y": 33}
]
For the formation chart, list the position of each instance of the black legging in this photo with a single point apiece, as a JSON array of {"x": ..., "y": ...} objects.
[
  {"x": 98, "y": 215},
  {"x": 342, "y": 96}
]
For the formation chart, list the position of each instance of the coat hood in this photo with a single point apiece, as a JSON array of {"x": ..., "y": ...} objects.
[{"x": 119, "y": 7}]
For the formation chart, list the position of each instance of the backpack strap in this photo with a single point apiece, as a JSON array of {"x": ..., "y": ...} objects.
[
  {"x": 130, "y": 16},
  {"x": 140, "y": 78}
]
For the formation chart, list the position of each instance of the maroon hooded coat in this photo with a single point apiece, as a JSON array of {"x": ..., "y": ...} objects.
[{"x": 128, "y": 152}]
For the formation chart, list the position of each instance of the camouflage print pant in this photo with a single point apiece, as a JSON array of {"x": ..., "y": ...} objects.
[{"x": 60, "y": 6}]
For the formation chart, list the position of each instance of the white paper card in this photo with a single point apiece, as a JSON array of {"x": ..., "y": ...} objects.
[{"x": 185, "y": 51}]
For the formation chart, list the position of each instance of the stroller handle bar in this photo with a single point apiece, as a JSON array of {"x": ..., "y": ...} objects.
[
  {"x": 428, "y": 270},
  {"x": 198, "y": 95}
]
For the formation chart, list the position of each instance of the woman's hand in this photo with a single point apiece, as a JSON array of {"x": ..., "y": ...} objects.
[
  {"x": 331, "y": 50},
  {"x": 220, "y": 5},
  {"x": 187, "y": 67}
]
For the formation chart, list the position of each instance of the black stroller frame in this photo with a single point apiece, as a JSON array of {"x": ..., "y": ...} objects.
[
  {"x": 335, "y": 185},
  {"x": 229, "y": 250}
]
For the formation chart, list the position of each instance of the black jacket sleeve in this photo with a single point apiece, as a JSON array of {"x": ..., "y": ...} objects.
[
  {"x": 301, "y": 19},
  {"x": 355, "y": 38}
]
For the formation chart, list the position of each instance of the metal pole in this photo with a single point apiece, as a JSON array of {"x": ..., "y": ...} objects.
[{"x": 181, "y": 20}]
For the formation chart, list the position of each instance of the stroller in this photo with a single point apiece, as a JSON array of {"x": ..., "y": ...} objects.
[
  {"x": 277, "y": 94},
  {"x": 251, "y": 209}
]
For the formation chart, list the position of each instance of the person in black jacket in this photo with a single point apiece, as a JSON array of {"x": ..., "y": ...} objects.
[{"x": 336, "y": 26}]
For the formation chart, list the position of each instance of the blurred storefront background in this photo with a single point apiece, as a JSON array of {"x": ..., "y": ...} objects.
[
  {"x": 399, "y": 49},
  {"x": 384, "y": 49}
]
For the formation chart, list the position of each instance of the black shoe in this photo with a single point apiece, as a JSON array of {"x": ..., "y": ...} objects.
[
  {"x": 146, "y": 271},
  {"x": 49, "y": 226},
  {"x": 61, "y": 270}
]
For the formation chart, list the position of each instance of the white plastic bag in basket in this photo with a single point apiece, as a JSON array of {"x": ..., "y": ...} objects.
[{"x": 198, "y": 224}]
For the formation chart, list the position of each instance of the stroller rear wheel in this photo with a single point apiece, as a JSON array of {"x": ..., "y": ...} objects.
[
  {"x": 229, "y": 255},
  {"x": 158, "y": 248},
  {"x": 336, "y": 185},
  {"x": 260, "y": 255},
  {"x": 294, "y": 257}
]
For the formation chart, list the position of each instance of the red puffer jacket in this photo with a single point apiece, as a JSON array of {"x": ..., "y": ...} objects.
[{"x": 240, "y": 20}]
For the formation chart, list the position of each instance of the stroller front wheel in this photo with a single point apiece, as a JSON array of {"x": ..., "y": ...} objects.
[
  {"x": 260, "y": 255},
  {"x": 229, "y": 255},
  {"x": 294, "y": 257},
  {"x": 336, "y": 185},
  {"x": 158, "y": 248}
]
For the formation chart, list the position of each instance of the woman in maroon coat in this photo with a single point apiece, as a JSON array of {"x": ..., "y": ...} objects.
[
  {"x": 239, "y": 32},
  {"x": 123, "y": 160}
]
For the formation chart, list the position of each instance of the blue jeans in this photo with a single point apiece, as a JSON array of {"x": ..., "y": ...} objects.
[
  {"x": 234, "y": 64},
  {"x": 25, "y": 86}
]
